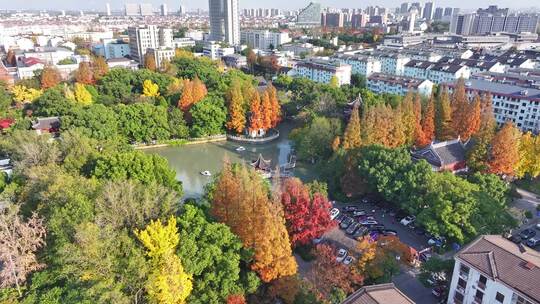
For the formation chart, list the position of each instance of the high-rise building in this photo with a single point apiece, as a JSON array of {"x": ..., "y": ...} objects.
[
  {"x": 310, "y": 16},
  {"x": 404, "y": 8},
  {"x": 447, "y": 11},
  {"x": 332, "y": 19},
  {"x": 149, "y": 37},
  {"x": 182, "y": 10},
  {"x": 108, "y": 9},
  {"x": 164, "y": 11},
  {"x": 263, "y": 39},
  {"x": 224, "y": 21},
  {"x": 359, "y": 20},
  {"x": 438, "y": 13},
  {"x": 412, "y": 19},
  {"x": 132, "y": 9},
  {"x": 146, "y": 9},
  {"x": 462, "y": 24},
  {"x": 428, "y": 11}
]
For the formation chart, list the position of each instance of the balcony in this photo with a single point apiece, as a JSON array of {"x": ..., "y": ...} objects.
[
  {"x": 460, "y": 289},
  {"x": 464, "y": 275}
]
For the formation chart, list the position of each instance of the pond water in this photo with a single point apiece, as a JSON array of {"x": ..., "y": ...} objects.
[{"x": 188, "y": 161}]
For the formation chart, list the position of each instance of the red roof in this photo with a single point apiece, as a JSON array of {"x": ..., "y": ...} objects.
[
  {"x": 6, "y": 123},
  {"x": 30, "y": 61}
]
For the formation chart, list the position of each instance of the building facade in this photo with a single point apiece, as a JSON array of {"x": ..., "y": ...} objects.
[
  {"x": 263, "y": 39},
  {"x": 310, "y": 16},
  {"x": 399, "y": 85},
  {"x": 224, "y": 21},
  {"x": 143, "y": 38},
  {"x": 323, "y": 70}
]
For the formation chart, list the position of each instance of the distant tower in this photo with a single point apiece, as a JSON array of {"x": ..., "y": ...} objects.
[
  {"x": 63, "y": 13},
  {"x": 412, "y": 20},
  {"x": 164, "y": 9},
  {"x": 108, "y": 9},
  {"x": 81, "y": 13},
  {"x": 224, "y": 21},
  {"x": 181, "y": 10}
]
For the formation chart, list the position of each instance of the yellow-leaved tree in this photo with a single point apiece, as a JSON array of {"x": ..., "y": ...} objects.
[
  {"x": 82, "y": 95},
  {"x": 167, "y": 282},
  {"x": 150, "y": 89},
  {"x": 24, "y": 94}
]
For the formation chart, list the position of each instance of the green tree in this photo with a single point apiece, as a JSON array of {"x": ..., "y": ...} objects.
[
  {"x": 96, "y": 121},
  {"x": 208, "y": 117},
  {"x": 314, "y": 141},
  {"x": 143, "y": 122}
]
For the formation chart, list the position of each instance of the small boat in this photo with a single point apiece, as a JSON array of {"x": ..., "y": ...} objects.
[
  {"x": 206, "y": 173},
  {"x": 240, "y": 149}
]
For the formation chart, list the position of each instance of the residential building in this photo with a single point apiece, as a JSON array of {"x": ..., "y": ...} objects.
[
  {"x": 235, "y": 60},
  {"x": 359, "y": 20},
  {"x": 438, "y": 15},
  {"x": 215, "y": 51},
  {"x": 45, "y": 55},
  {"x": 146, "y": 9},
  {"x": 475, "y": 66},
  {"x": 224, "y": 21},
  {"x": 517, "y": 103},
  {"x": 333, "y": 20},
  {"x": 89, "y": 36},
  {"x": 462, "y": 24},
  {"x": 132, "y": 9},
  {"x": 122, "y": 63},
  {"x": 404, "y": 8},
  {"x": 150, "y": 36},
  {"x": 264, "y": 39},
  {"x": 428, "y": 11},
  {"x": 112, "y": 48},
  {"x": 492, "y": 269},
  {"x": 301, "y": 48},
  {"x": 364, "y": 65},
  {"x": 399, "y": 85},
  {"x": 323, "y": 70},
  {"x": 310, "y": 16},
  {"x": 161, "y": 54},
  {"x": 179, "y": 43},
  {"x": 393, "y": 63},
  {"x": 378, "y": 294},
  {"x": 447, "y": 155}
]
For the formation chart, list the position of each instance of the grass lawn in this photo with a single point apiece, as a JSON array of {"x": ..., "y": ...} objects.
[{"x": 532, "y": 185}]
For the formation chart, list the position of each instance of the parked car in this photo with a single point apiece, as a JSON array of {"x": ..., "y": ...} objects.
[
  {"x": 334, "y": 213},
  {"x": 359, "y": 213},
  {"x": 379, "y": 228},
  {"x": 436, "y": 241},
  {"x": 348, "y": 260},
  {"x": 346, "y": 222},
  {"x": 527, "y": 234},
  {"x": 388, "y": 232},
  {"x": 533, "y": 242},
  {"x": 425, "y": 256},
  {"x": 352, "y": 228},
  {"x": 340, "y": 218},
  {"x": 360, "y": 232},
  {"x": 408, "y": 220},
  {"x": 369, "y": 223},
  {"x": 342, "y": 253},
  {"x": 515, "y": 239},
  {"x": 439, "y": 291},
  {"x": 351, "y": 208}
]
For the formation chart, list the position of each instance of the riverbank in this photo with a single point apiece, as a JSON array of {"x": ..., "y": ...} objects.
[{"x": 183, "y": 142}]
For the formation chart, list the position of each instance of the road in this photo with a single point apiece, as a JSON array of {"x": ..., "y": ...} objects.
[{"x": 407, "y": 282}]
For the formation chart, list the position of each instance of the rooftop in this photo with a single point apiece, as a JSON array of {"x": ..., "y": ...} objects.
[
  {"x": 402, "y": 80},
  {"x": 501, "y": 260},
  {"x": 442, "y": 153},
  {"x": 378, "y": 294},
  {"x": 495, "y": 88}
]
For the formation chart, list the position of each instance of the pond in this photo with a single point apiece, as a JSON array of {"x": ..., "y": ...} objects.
[{"x": 190, "y": 160}]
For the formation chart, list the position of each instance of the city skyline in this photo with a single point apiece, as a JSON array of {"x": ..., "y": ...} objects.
[{"x": 117, "y": 5}]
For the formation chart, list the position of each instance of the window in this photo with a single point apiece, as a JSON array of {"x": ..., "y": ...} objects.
[
  {"x": 479, "y": 296},
  {"x": 521, "y": 300},
  {"x": 499, "y": 297},
  {"x": 482, "y": 282}
]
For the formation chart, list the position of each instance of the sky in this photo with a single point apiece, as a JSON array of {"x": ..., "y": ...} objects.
[{"x": 99, "y": 5}]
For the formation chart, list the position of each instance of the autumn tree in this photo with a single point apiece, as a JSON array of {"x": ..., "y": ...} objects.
[
  {"x": 256, "y": 118},
  {"x": 327, "y": 273},
  {"x": 84, "y": 74},
  {"x": 443, "y": 116},
  {"x": 275, "y": 106},
  {"x": 150, "y": 89},
  {"x": 19, "y": 242},
  {"x": 99, "y": 67},
  {"x": 266, "y": 111},
  {"x": 236, "y": 299},
  {"x": 167, "y": 282},
  {"x": 529, "y": 156},
  {"x": 10, "y": 58},
  {"x": 428, "y": 121},
  {"x": 82, "y": 95},
  {"x": 306, "y": 218},
  {"x": 420, "y": 138},
  {"x": 408, "y": 116},
  {"x": 460, "y": 108},
  {"x": 199, "y": 90},
  {"x": 237, "y": 114},
  {"x": 193, "y": 92},
  {"x": 504, "y": 153},
  {"x": 24, "y": 94},
  {"x": 352, "y": 136},
  {"x": 251, "y": 58},
  {"x": 150, "y": 62},
  {"x": 241, "y": 200},
  {"x": 477, "y": 157},
  {"x": 50, "y": 77}
]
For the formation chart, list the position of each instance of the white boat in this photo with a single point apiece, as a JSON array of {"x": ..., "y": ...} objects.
[
  {"x": 240, "y": 149},
  {"x": 206, "y": 173}
]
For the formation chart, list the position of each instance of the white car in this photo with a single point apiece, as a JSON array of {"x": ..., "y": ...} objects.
[
  {"x": 341, "y": 255},
  {"x": 407, "y": 220},
  {"x": 348, "y": 260},
  {"x": 334, "y": 213}
]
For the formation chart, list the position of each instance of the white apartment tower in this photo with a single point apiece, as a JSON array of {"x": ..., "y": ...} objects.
[
  {"x": 412, "y": 19},
  {"x": 164, "y": 11},
  {"x": 108, "y": 9},
  {"x": 224, "y": 21},
  {"x": 149, "y": 37}
]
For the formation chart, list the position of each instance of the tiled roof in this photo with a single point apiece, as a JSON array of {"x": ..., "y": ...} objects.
[
  {"x": 443, "y": 153},
  {"x": 495, "y": 88},
  {"x": 401, "y": 80},
  {"x": 514, "y": 265},
  {"x": 378, "y": 294}
]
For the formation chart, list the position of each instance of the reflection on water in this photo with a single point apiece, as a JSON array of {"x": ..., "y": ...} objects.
[{"x": 188, "y": 161}]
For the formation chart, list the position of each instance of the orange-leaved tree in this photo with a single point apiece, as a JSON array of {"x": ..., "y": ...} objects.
[
  {"x": 428, "y": 121},
  {"x": 50, "y": 77},
  {"x": 352, "y": 136},
  {"x": 266, "y": 108},
  {"x": 84, "y": 74},
  {"x": 256, "y": 119},
  {"x": 504, "y": 153},
  {"x": 420, "y": 138},
  {"x": 276, "y": 107},
  {"x": 237, "y": 113}
]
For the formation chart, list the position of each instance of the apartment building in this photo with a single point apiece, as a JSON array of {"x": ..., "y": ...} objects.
[
  {"x": 224, "y": 21},
  {"x": 364, "y": 65},
  {"x": 47, "y": 55},
  {"x": 263, "y": 39},
  {"x": 399, "y": 85},
  {"x": 393, "y": 63},
  {"x": 112, "y": 48},
  {"x": 161, "y": 54},
  {"x": 150, "y": 36},
  {"x": 494, "y": 270},
  {"x": 517, "y": 103},
  {"x": 323, "y": 70},
  {"x": 215, "y": 51}
]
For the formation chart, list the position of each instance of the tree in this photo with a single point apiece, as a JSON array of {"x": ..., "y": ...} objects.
[
  {"x": 256, "y": 118},
  {"x": 84, "y": 74},
  {"x": 420, "y": 138},
  {"x": 199, "y": 90},
  {"x": 314, "y": 141},
  {"x": 177, "y": 123},
  {"x": 460, "y": 110},
  {"x": 208, "y": 117},
  {"x": 82, "y": 95},
  {"x": 306, "y": 218},
  {"x": 237, "y": 115},
  {"x": 24, "y": 94},
  {"x": 241, "y": 200},
  {"x": 477, "y": 157},
  {"x": 352, "y": 136},
  {"x": 167, "y": 282},
  {"x": 186, "y": 100},
  {"x": 529, "y": 156},
  {"x": 50, "y": 77},
  {"x": 327, "y": 273},
  {"x": 275, "y": 106},
  {"x": 251, "y": 58},
  {"x": 150, "y": 62},
  {"x": 213, "y": 255},
  {"x": 19, "y": 243},
  {"x": 428, "y": 121},
  {"x": 443, "y": 116},
  {"x": 504, "y": 153},
  {"x": 472, "y": 121},
  {"x": 150, "y": 89},
  {"x": 10, "y": 58},
  {"x": 410, "y": 117},
  {"x": 334, "y": 82},
  {"x": 100, "y": 67},
  {"x": 266, "y": 111}
]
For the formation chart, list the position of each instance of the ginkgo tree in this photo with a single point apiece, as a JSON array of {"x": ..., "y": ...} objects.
[{"x": 150, "y": 89}]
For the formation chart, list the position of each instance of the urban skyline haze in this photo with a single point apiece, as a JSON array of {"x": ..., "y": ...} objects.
[{"x": 116, "y": 5}]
